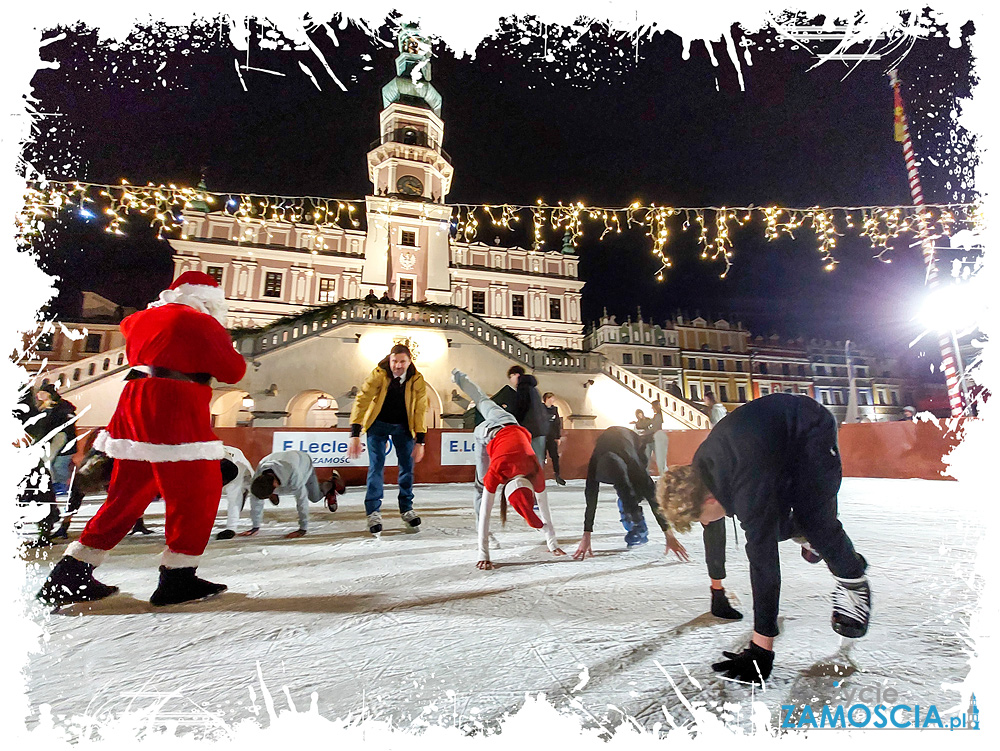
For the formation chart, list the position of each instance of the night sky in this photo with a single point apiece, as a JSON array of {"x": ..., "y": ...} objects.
[{"x": 519, "y": 128}]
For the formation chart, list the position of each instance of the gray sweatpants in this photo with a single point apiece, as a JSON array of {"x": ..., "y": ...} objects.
[{"x": 494, "y": 418}]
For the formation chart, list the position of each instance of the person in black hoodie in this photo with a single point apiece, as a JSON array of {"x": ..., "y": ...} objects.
[
  {"x": 528, "y": 409},
  {"x": 618, "y": 460},
  {"x": 58, "y": 415},
  {"x": 775, "y": 464}
]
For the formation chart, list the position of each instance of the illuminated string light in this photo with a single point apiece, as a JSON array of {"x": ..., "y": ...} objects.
[{"x": 161, "y": 206}]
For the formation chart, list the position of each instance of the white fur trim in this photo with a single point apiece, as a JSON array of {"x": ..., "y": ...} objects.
[
  {"x": 139, "y": 451},
  {"x": 94, "y": 556},
  {"x": 520, "y": 481},
  {"x": 201, "y": 297},
  {"x": 170, "y": 559}
]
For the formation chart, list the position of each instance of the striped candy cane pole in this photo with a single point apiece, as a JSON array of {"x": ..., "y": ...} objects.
[{"x": 948, "y": 360}]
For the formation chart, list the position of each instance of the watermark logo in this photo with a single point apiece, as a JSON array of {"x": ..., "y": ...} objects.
[{"x": 875, "y": 706}]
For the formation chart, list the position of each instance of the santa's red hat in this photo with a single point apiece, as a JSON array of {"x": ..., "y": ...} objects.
[
  {"x": 521, "y": 495},
  {"x": 197, "y": 290}
]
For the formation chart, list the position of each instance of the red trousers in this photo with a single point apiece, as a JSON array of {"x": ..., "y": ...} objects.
[{"x": 190, "y": 490}]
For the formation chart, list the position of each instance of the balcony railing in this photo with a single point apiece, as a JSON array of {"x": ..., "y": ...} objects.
[{"x": 410, "y": 137}]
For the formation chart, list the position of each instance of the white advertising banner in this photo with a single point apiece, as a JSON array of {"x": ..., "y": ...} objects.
[
  {"x": 328, "y": 448},
  {"x": 458, "y": 448}
]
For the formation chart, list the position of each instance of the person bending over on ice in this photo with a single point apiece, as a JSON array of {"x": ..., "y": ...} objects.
[
  {"x": 619, "y": 460},
  {"x": 162, "y": 442},
  {"x": 774, "y": 463},
  {"x": 289, "y": 473},
  {"x": 506, "y": 464},
  {"x": 236, "y": 476}
]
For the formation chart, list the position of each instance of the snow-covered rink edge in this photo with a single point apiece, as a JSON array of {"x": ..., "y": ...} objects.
[{"x": 406, "y": 630}]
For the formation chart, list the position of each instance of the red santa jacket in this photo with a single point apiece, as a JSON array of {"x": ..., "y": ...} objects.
[
  {"x": 511, "y": 455},
  {"x": 162, "y": 419}
]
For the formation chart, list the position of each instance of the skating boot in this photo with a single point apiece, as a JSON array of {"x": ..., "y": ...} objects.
[
  {"x": 226, "y": 534},
  {"x": 852, "y": 603},
  {"x": 179, "y": 585},
  {"x": 375, "y": 523},
  {"x": 411, "y": 518},
  {"x": 560, "y": 481},
  {"x": 722, "y": 608},
  {"x": 62, "y": 533},
  {"x": 72, "y": 580},
  {"x": 140, "y": 528}
]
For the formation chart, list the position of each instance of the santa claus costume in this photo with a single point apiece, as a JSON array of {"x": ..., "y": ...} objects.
[
  {"x": 507, "y": 466},
  {"x": 162, "y": 441}
]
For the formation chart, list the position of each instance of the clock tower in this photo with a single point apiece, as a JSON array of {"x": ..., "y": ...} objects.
[{"x": 407, "y": 248}]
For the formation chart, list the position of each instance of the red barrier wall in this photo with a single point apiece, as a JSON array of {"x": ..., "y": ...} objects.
[{"x": 885, "y": 449}]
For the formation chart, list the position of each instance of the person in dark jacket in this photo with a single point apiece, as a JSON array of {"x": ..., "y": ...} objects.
[
  {"x": 528, "y": 409},
  {"x": 775, "y": 464},
  {"x": 553, "y": 438},
  {"x": 618, "y": 460},
  {"x": 58, "y": 414}
]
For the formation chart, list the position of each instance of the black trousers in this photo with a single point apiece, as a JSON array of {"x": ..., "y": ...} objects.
[
  {"x": 552, "y": 450},
  {"x": 714, "y": 535}
]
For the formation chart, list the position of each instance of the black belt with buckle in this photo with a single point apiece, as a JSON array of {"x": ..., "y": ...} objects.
[{"x": 175, "y": 375}]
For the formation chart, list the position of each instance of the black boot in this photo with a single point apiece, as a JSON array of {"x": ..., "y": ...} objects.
[
  {"x": 62, "y": 533},
  {"x": 181, "y": 585},
  {"x": 72, "y": 580},
  {"x": 721, "y": 607},
  {"x": 140, "y": 528}
]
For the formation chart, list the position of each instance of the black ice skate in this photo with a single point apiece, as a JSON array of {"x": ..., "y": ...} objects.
[
  {"x": 226, "y": 534},
  {"x": 852, "y": 601},
  {"x": 179, "y": 585},
  {"x": 722, "y": 608},
  {"x": 140, "y": 528},
  {"x": 72, "y": 580}
]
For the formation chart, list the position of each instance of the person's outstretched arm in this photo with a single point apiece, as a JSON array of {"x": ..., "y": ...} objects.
[{"x": 485, "y": 509}]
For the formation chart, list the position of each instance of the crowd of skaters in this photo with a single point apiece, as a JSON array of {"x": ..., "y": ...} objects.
[{"x": 773, "y": 463}]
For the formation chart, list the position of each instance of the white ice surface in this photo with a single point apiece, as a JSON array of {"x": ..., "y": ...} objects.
[{"x": 405, "y": 627}]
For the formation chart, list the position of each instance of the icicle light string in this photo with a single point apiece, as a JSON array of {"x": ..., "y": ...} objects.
[{"x": 162, "y": 206}]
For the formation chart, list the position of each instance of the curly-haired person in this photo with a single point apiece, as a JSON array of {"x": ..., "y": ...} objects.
[{"x": 774, "y": 464}]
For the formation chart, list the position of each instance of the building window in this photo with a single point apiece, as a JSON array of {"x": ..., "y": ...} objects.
[
  {"x": 881, "y": 398},
  {"x": 863, "y": 398},
  {"x": 405, "y": 290},
  {"x": 691, "y": 365},
  {"x": 555, "y": 308},
  {"x": 647, "y": 359},
  {"x": 479, "y": 303},
  {"x": 802, "y": 371},
  {"x": 272, "y": 284},
  {"x": 765, "y": 390},
  {"x": 408, "y": 237},
  {"x": 668, "y": 361},
  {"x": 742, "y": 393},
  {"x": 821, "y": 370},
  {"x": 837, "y": 398},
  {"x": 895, "y": 398},
  {"x": 694, "y": 391},
  {"x": 722, "y": 367},
  {"x": 328, "y": 290},
  {"x": 216, "y": 273},
  {"x": 824, "y": 397},
  {"x": 93, "y": 343},
  {"x": 45, "y": 342},
  {"x": 785, "y": 370},
  {"x": 706, "y": 364},
  {"x": 739, "y": 366},
  {"x": 626, "y": 358},
  {"x": 723, "y": 394},
  {"x": 517, "y": 305},
  {"x": 762, "y": 367}
]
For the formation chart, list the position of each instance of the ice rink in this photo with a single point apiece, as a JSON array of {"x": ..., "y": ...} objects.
[{"x": 405, "y": 627}]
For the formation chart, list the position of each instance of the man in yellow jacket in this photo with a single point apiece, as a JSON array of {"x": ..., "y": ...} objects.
[{"x": 392, "y": 405}]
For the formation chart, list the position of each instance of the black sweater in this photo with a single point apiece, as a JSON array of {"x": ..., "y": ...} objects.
[
  {"x": 754, "y": 462},
  {"x": 618, "y": 460}
]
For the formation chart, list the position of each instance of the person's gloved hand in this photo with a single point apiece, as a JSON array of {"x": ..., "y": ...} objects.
[{"x": 744, "y": 666}]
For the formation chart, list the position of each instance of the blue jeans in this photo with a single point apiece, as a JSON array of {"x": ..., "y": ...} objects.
[
  {"x": 636, "y": 532},
  {"x": 378, "y": 436}
]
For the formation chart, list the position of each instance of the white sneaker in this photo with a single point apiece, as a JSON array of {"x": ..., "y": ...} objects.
[
  {"x": 375, "y": 522},
  {"x": 412, "y": 520}
]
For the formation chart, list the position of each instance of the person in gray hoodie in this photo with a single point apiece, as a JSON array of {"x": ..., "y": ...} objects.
[{"x": 286, "y": 473}]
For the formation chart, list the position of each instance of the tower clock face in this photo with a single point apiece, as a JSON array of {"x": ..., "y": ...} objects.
[{"x": 410, "y": 185}]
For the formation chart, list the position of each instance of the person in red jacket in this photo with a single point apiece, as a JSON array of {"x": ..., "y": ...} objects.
[
  {"x": 161, "y": 439},
  {"x": 506, "y": 465}
]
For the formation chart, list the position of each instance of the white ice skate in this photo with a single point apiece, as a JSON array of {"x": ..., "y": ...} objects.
[
  {"x": 411, "y": 519},
  {"x": 375, "y": 523}
]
